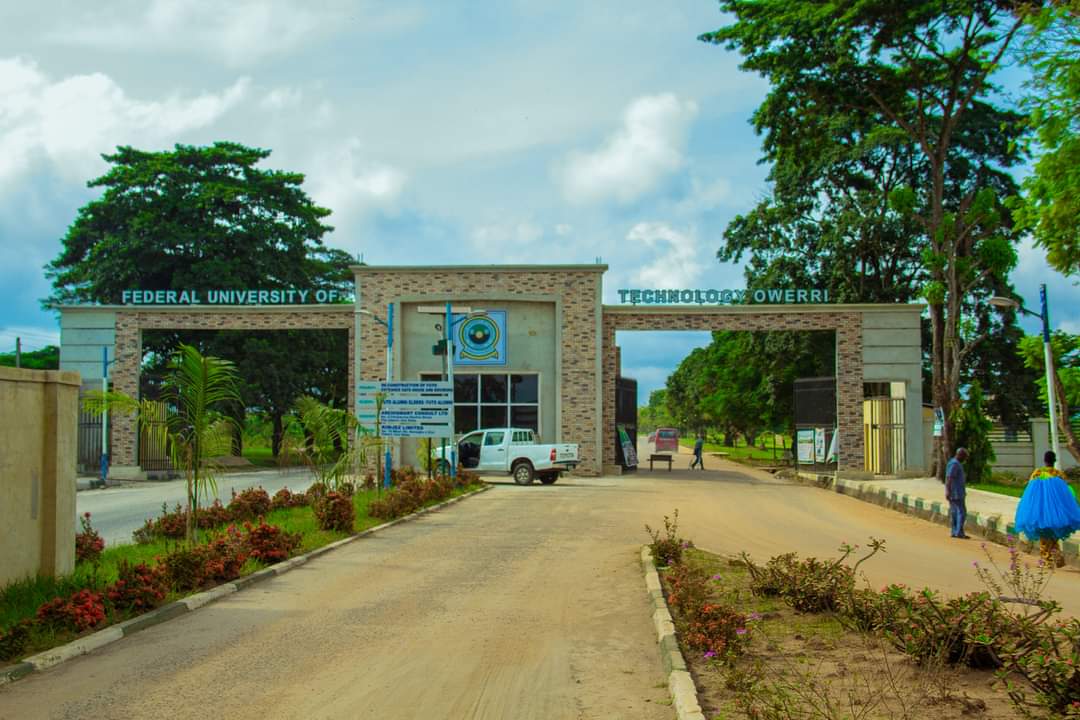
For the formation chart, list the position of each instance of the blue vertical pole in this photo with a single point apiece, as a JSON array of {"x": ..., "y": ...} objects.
[
  {"x": 105, "y": 416},
  {"x": 450, "y": 377},
  {"x": 389, "y": 376}
]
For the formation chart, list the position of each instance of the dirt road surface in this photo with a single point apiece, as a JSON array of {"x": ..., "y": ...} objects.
[{"x": 520, "y": 603}]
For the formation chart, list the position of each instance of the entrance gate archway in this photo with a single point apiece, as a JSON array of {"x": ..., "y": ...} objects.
[{"x": 873, "y": 343}]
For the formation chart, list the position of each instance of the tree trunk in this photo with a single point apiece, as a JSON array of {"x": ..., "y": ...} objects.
[
  {"x": 940, "y": 393},
  {"x": 1064, "y": 427},
  {"x": 276, "y": 434},
  {"x": 238, "y": 431}
]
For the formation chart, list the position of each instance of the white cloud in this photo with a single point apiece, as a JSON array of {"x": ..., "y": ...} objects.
[
  {"x": 239, "y": 33},
  {"x": 637, "y": 157},
  {"x": 671, "y": 258},
  {"x": 281, "y": 98},
  {"x": 33, "y": 337},
  {"x": 563, "y": 229},
  {"x": 73, "y": 120},
  {"x": 351, "y": 185}
]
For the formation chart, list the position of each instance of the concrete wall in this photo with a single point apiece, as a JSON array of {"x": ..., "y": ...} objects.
[
  {"x": 39, "y": 417},
  {"x": 892, "y": 352}
]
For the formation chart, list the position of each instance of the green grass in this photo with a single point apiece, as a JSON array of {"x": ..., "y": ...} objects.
[
  {"x": 741, "y": 452},
  {"x": 1011, "y": 490},
  {"x": 21, "y": 599}
]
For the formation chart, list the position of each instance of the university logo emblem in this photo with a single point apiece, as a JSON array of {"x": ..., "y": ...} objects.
[{"x": 481, "y": 339}]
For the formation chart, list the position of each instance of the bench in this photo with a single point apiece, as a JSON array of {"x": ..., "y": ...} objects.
[{"x": 660, "y": 458}]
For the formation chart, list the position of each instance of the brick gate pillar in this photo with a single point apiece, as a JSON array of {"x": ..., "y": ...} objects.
[
  {"x": 610, "y": 369},
  {"x": 125, "y": 379},
  {"x": 849, "y": 393}
]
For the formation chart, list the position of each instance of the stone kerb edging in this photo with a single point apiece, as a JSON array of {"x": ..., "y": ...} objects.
[
  {"x": 680, "y": 683},
  {"x": 992, "y": 527},
  {"x": 54, "y": 656}
]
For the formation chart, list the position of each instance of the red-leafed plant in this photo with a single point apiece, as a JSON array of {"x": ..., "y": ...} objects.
[
  {"x": 249, "y": 504},
  {"x": 335, "y": 511},
  {"x": 214, "y": 516},
  {"x": 270, "y": 544},
  {"x": 139, "y": 587},
  {"x": 13, "y": 641},
  {"x": 85, "y": 609},
  {"x": 88, "y": 543}
]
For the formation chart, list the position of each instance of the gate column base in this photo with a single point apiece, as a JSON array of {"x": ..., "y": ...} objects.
[{"x": 126, "y": 472}]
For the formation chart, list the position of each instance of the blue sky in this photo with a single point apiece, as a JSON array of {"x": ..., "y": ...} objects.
[{"x": 519, "y": 131}]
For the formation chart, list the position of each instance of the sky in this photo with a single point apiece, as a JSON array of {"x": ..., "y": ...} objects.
[{"x": 523, "y": 131}]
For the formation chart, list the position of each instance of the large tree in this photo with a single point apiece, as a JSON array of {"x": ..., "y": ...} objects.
[
  {"x": 912, "y": 82},
  {"x": 1051, "y": 52},
  {"x": 201, "y": 218}
]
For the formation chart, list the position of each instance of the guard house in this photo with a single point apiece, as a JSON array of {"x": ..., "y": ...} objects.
[{"x": 538, "y": 348}]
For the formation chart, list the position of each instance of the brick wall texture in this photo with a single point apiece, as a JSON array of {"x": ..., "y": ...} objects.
[{"x": 130, "y": 324}]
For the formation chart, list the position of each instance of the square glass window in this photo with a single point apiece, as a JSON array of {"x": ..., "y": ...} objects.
[
  {"x": 493, "y": 438},
  {"x": 465, "y": 388},
  {"x": 492, "y": 416},
  {"x": 525, "y": 416},
  {"x": 524, "y": 388},
  {"x": 492, "y": 388},
  {"x": 465, "y": 419}
]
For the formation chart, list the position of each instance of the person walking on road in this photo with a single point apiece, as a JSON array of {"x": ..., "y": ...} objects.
[
  {"x": 1048, "y": 510},
  {"x": 956, "y": 493},
  {"x": 699, "y": 444}
]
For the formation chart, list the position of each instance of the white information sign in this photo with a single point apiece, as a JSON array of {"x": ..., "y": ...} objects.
[
  {"x": 805, "y": 446},
  {"x": 820, "y": 449},
  {"x": 409, "y": 409}
]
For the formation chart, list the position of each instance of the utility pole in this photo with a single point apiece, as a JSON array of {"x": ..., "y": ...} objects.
[{"x": 18, "y": 352}]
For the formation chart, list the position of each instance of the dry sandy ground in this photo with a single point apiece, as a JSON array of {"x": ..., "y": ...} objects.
[{"x": 522, "y": 602}]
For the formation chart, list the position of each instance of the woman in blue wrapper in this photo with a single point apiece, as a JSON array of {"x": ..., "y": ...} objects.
[{"x": 1048, "y": 510}]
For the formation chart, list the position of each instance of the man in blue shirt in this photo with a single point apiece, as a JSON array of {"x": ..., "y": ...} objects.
[{"x": 956, "y": 493}]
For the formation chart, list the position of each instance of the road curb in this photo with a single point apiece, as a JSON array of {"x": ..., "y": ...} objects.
[
  {"x": 106, "y": 636},
  {"x": 680, "y": 683},
  {"x": 991, "y": 527}
]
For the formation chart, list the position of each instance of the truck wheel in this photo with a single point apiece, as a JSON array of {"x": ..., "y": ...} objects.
[
  {"x": 523, "y": 473},
  {"x": 549, "y": 478}
]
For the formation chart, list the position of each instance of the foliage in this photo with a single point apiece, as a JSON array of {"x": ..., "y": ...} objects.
[
  {"x": 957, "y": 631},
  {"x": 285, "y": 498},
  {"x": 13, "y": 641},
  {"x": 138, "y": 588},
  {"x": 331, "y": 443},
  {"x": 888, "y": 156},
  {"x": 88, "y": 543},
  {"x": 667, "y": 549},
  {"x": 81, "y": 611},
  {"x": 410, "y": 492},
  {"x": 1065, "y": 351},
  {"x": 809, "y": 585},
  {"x": 973, "y": 433},
  {"x": 195, "y": 567},
  {"x": 249, "y": 504},
  {"x": 47, "y": 358},
  {"x": 335, "y": 511},
  {"x": 655, "y": 414},
  {"x": 270, "y": 544},
  {"x": 1051, "y": 207},
  {"x": 216, "y": 515}
]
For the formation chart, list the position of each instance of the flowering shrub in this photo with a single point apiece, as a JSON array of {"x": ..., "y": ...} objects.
[
  {"x": 335, "y": 512},
  {"x": 667, "y": 550},
  {"x": 13, "y": 641},
  {"x": 83, "y": 610},
  {"x": 718, "y": 629},
  {"x": 218, "y": 561},
  {"x": 88, "y": 543},
  {"x": 1048, "y": 658},
  {"x": 409, "y": 496},
  {"x": 249, "y": 504},
  {"x": 268, "y": 543},
  {"x": 314, "y": 493},
  {"x": 689, "y": 589},
  {"x": 285, "y": 498},
  {"x": 139, "y": 587},
  {"x": 214, "y": 516}
]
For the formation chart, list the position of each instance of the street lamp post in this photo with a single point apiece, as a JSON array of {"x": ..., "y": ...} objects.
[
  {"x": 1048, "y": 356},
  {"x": 105, "y": 415},
  {"x": 389, "y": 325}
]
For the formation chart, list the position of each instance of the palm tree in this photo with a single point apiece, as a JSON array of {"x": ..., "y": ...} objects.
[
  {"x": 195, "y": 386},
  {"x": 332, "y": 443}
]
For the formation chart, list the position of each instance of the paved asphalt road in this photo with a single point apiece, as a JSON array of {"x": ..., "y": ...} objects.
[
  {"x": 117, "y": 511},
  {"x": 521, "y": 602}
]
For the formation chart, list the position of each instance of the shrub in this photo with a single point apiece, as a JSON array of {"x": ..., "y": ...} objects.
[
  {"x": 335, "y": 512},
  {"x": 667, "y": 550},
  {"x": 965, "y": 630},
  {"x": 220, "y": 560},
  {"x": 85, "y": 609},
  {"x": 719, "y": 631},
  {"x": 88, "y": 543},
  {"x": 689, "y": 588},
  {"x": 465, "y": 478},
  {"x": 315, "y": 493},
  {"x": 809, "y": 585},
  {"x": 249, "y": 504},
  {"x": 270, "y": 544},
  {"x": 1048, "y": 658},
  {"x": 214, "y": 516},
  {"x": 347, "y": 489},
  {"x": 14, "y": 640},
  {"x": 139, "y": 587},
  {"x": 171, "y": 524}
]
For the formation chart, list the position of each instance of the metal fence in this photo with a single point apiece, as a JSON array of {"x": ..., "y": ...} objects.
[
  {"x": 883, "y": 435},
  {"x": 153, "y": 447},
  {"x": 89, "y": 443}
]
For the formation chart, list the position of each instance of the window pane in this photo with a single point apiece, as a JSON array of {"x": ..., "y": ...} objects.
[
  {"x": 464, "y": 388},
  {"x": 465, "y": 418},
  {"x": 492, "y": 416},
  {"x": 493, "y": 388},
  {"x": 493, "y": 438},
  {"x": 524, "y": 388},
  {"x": 525, "y": 416}
]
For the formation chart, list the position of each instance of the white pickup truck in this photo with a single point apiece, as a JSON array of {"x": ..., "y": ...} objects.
[{"x": 513, "y": 451}]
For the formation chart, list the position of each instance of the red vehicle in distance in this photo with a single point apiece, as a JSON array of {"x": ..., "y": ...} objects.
[{"x": 666, "y": 440}]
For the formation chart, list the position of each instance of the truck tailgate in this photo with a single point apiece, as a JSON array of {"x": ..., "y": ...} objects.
[{"x": 566, "y": 453}]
